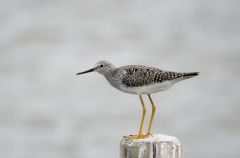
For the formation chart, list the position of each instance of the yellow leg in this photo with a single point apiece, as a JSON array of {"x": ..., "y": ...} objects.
[
  {"x": 152, "y": 115},
  {"x": 140, "y": 135}
]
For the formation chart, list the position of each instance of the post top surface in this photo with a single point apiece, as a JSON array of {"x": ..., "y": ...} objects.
[{"x": 155, "y": 138}]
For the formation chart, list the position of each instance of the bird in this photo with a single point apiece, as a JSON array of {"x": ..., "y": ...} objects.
[{"x": 139, "y": 80}]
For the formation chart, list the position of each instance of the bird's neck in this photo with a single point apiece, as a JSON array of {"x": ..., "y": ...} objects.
[
  {"x": 113, "y": 77},
  {"x": 109, "y": 72}
]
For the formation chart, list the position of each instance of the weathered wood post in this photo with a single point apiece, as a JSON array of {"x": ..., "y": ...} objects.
[{"x": 157, "y": 146}]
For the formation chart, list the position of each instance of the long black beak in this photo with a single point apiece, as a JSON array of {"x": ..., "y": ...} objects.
[{"x": 90, "y": 70}]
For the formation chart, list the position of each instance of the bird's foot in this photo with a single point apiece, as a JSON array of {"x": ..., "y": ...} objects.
[{"x": 139, "y": 136}]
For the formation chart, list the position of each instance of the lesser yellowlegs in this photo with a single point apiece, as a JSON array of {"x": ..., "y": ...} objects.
[{"x": 140, "y": 80}]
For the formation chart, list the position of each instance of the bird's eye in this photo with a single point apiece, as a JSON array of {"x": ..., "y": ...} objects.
[{"x": 101, "y": 65}]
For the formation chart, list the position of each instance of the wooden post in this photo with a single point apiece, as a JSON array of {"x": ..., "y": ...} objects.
[{"x": 157, "y": 146}]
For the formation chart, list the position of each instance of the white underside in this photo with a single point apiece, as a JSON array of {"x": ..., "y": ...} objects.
[{"x": 148, "y": 89}]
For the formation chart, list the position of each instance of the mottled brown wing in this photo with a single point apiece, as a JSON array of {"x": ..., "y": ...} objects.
[{"x": 138, "y": 75}]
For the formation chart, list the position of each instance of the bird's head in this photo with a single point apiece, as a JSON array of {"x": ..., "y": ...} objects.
[{"x": 101, "y": 67}]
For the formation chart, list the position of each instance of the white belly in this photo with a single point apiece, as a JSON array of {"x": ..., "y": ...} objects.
[{"x": 148, "y": 89}]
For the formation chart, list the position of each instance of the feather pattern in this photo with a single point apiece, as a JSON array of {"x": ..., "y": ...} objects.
[{"x": 138, "y": 75}]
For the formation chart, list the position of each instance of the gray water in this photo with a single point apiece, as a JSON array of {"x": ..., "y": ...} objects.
[{"x": 48, "y": 112}]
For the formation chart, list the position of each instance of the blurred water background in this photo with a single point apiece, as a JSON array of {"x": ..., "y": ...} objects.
[{"x": 48, "y": 112}]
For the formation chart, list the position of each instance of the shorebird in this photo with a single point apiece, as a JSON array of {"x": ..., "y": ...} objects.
[{"x": 139, "y": 80}]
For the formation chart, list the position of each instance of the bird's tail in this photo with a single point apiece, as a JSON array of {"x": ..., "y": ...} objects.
[
  {"x": 189, "y": 75},
  {"x": 179, "y": 76}
]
